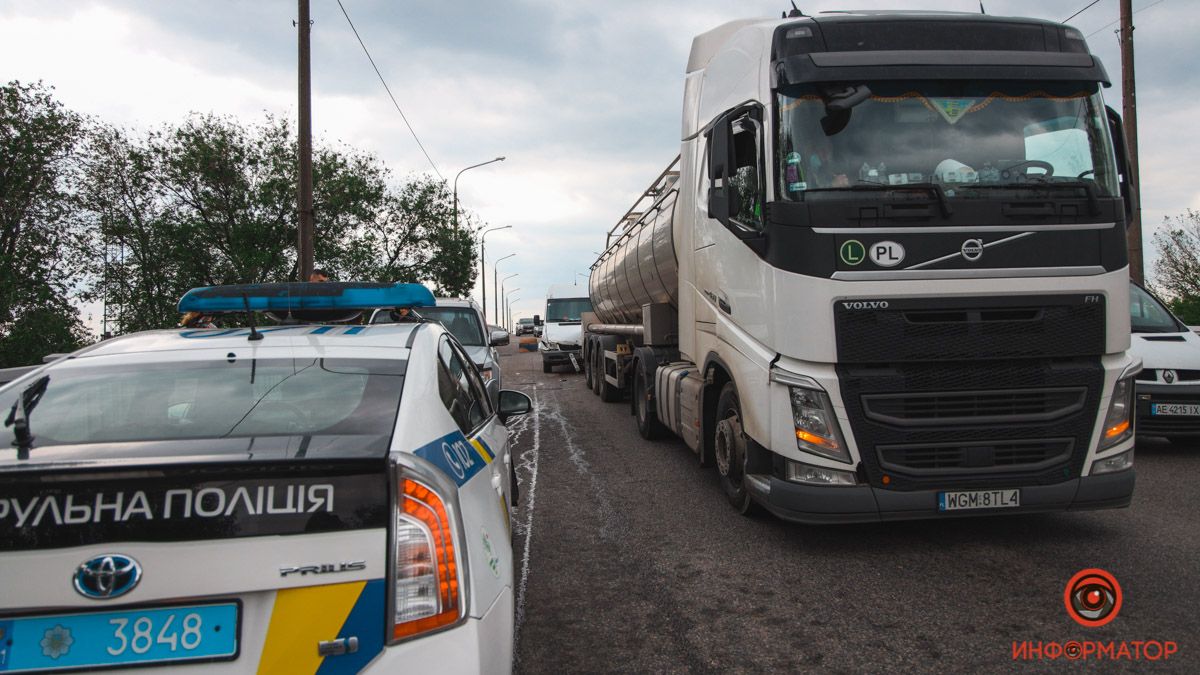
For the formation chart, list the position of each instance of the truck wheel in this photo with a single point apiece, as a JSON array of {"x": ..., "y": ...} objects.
[
  {"x": 608, "y": 392},
  {"x": 588, "y": 376},
  {"x": 729, "y": 450},
  {"x": 597, "y": 368},
  {"x": 547, "y": 367},
  {"x": 644, "y": 409}
]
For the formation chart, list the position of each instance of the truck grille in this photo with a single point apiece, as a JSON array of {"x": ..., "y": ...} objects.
[
  {"x": 912, "y": 409},
  {"x": 978, "y": 457}
]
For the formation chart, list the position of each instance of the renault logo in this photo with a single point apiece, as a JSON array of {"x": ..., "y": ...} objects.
[
  {"x": 1168, "y": 376},
  {"x": 107, "y": 576}
]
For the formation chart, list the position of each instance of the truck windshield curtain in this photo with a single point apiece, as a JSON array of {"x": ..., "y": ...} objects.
[
  {"x": 215, "y": 398},
  {"x": 567, "y": 309},
  {"x": 957, "y": 133}
]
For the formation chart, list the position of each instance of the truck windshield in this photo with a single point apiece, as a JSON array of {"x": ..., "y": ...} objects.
[
  {"x": 214, "y": 398},
  {"x": 567, "y": 309},
  {"x": 959, "y": 134}
]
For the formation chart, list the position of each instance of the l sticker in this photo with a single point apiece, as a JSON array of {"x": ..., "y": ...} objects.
[
  {"x": 852, "y": 252},
  {"x": 887, "y": 254}
]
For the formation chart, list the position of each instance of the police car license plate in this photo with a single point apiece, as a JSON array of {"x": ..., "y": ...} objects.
[
  {"x": 119, "y": 638},
  {"x": 1181, "y": 409},
  {"x": 978, "y": 499}
]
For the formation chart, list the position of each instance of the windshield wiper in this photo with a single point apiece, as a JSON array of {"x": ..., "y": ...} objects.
[
  {"x": 18, "y": 416},
  {"x": 1093, "y": 194},
  {"x": 867, "y": 186}
]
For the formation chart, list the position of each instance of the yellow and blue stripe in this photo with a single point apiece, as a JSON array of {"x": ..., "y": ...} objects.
[{"x": 303, "y": 617}]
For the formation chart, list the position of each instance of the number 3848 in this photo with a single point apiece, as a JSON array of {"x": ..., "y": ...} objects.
[{"x": 140, "y": 635}]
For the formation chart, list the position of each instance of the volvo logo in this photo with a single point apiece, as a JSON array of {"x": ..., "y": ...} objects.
[
  {"x": 972, "y": 249},
  {"x": 1168, "y": 376},
  {"x": 866, "y": 304},
  {"x": 107, "y": 576}
]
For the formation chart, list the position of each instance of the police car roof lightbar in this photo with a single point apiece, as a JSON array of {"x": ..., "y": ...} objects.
[{"x": 297, "y": 296}]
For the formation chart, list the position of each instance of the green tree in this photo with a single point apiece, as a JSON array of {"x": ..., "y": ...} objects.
[
  {"x": 1177, "y": 271},
  {"x": 40, "y": 233},
  {"x": 213, "y": 201}
]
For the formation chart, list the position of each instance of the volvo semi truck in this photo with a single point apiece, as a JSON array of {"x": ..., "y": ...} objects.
[{"x": 886, "y": 277}]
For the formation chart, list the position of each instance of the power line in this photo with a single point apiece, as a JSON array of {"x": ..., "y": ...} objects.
[
  {"x": 1090, "y": 5},
  {"x": 1157, "y": 2},
  {"x": 389, "y": 90}
]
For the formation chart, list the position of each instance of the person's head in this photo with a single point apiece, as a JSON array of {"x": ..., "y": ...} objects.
[{"x": 318, "y": 274}]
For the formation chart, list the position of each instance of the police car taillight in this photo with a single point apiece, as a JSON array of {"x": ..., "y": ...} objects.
[{"x": 428, "y": 582}]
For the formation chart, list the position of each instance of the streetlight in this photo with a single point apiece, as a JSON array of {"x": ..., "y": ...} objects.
[
  {"x": 579, "y": 274},
  {"x": 508, "y": 307},
  {"x": 496, "y": 278},
  {"x": 473, "y": 166},
  {"x": 500, "y": 289},
  {"x": 482, "y": 269}
]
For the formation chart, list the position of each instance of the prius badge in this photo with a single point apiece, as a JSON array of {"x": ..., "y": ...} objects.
[{"x": 107, "y": 576}]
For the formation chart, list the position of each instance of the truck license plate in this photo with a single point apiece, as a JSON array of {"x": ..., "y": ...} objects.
[
  {"x": 119, "y": 638},
  {"x": 1180, "y": 409},
  {"x": 978, "y": 499}
]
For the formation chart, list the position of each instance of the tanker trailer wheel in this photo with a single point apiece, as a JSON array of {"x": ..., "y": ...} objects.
[
  {"x": 587, "y": 363},
  {"x": 644, "y": 408},
  {"x": 729, "y": 450},
  {"x": 608, "y": 393},
  {"x": 597, "y": 366}
]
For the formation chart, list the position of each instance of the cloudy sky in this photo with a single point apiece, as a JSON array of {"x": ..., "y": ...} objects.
[{"x": 583, "y": 98}]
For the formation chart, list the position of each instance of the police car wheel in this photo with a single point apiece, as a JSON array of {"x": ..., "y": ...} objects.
[{"x": 729, "y": 450}]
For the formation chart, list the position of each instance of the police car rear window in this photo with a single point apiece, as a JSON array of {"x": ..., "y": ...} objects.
[{"x": 219, "y": 398}]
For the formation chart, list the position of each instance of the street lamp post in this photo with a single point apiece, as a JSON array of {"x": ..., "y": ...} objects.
[
  {"x": 579, "y": 274},
  {"x": 496, "y": 278},
  {"x": 483, "y": 269},
  {"x": 473, "y": 166},
  {"x": 508, "y": 307},
  {"x": 500, "y": 290}
]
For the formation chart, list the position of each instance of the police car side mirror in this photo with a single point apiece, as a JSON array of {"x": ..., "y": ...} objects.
[
  {"x": 499, "y": 338},
  {"x": 512, "y": 404}
]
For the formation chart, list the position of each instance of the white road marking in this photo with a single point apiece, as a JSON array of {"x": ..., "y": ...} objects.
[{"x": 529, "y": 462}]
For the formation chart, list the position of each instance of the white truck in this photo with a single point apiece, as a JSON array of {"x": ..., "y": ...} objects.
[
  {"x": 887, "y": 276},
  {"x": 562, "y": 333}
]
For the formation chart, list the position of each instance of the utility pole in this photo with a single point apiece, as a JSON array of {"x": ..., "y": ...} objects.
[
  {"x": 1129, "y": 117},
  {"x": 304, "y": 245}
]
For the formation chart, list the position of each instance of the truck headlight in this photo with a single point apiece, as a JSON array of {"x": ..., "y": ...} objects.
[
  {"x": 1120, "y": 462},
  {"x": 817, "y": 429},
  {"x": 819, "y": 475},
  {"x": 1118, "y": 423}
]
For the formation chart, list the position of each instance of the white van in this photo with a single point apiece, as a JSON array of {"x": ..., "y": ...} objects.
[
  {"x": 1168, "y": 389},
  {"x": 562, "y": 330}
]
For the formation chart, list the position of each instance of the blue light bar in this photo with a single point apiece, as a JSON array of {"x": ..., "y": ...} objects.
[{"x": 296, "y": 296}]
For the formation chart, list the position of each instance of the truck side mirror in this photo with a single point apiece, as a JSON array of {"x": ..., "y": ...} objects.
[
  {"x": 1117, "y": 129},
  {"x": 722, "y": 205}
]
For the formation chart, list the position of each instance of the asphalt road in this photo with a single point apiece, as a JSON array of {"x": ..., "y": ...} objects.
[{"x": 630, "y": 559}]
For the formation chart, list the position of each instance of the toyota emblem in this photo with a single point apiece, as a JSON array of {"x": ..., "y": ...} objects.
[{"x": 107, "y": 576}]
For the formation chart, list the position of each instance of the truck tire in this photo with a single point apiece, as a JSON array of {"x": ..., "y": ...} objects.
[
  {"x": 586, "y": 355},
  {"x": 644, "y": 409},
  {"x": 729, "y": 450},
  {"x": 597, "y": 367},
  {"x": 608, "y": 393}
]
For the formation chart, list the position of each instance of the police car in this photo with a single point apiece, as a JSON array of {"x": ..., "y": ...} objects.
[{"x": 298, "y": 498}]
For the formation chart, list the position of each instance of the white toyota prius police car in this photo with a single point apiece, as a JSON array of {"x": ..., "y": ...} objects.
[{"x": 299, "y": 498}]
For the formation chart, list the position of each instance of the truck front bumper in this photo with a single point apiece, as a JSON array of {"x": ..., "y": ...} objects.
[
  {"x": 862, "y": 504},
  {"x": 560, "y": 356}
]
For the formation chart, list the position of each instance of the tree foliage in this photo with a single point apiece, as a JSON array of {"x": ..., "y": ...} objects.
[
  {"x": 97, "y": 213},
  {"x": 1177, "y": 271},
  {"x": 213, "y": 201},
  {"x": 39, "y": 225}
]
